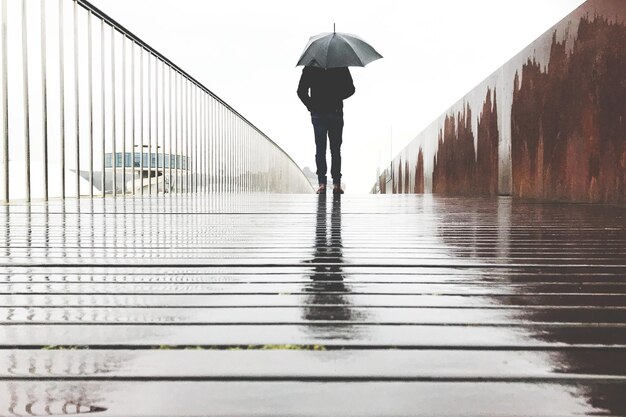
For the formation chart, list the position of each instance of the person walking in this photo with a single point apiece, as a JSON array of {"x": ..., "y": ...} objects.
[
  {"x": 322, "y": 91},
  {"x": 324, "y": 85}
]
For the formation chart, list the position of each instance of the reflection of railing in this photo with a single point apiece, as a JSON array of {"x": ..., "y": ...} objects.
[{"x": 113, "y": 93}]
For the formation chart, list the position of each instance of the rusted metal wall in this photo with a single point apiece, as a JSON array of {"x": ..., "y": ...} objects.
[{"x": 549, "y": 124}]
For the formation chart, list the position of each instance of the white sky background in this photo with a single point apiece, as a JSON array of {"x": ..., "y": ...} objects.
[{"x": 434, "y": 52}]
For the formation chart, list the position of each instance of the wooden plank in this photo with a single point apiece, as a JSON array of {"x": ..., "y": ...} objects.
[
  {"x": 592, "y": 280},
  {"x": 295, "y": 315},
  {"x": 345, "y": 299},
  {"x": 470, "y": 365},
  {"x": 320, "y": 286},
  {"x": 333, "y": 335},
  {"x": 124, "y": 259},
  {"x": 288, "y": 398},
  {"x": 347, "y": 269},
  {"x": 287, "y": 254}
]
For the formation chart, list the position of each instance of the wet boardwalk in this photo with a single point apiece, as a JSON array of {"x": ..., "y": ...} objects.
[{"x": 294, "y": 305}]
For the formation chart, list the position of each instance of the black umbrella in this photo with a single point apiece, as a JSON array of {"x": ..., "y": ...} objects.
[{"x": 336, "y": 49}]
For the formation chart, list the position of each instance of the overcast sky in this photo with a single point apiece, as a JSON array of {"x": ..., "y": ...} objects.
[{"x": 434, "y": 52}]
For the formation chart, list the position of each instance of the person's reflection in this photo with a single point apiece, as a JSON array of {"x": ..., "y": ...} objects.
[{"x": 327, "y": 299}]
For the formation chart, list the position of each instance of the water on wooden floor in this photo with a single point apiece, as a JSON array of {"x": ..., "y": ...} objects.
[{"x": 306, "y": 305}]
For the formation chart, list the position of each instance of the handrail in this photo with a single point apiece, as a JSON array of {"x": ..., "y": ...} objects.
[{"x": 112, "y": 22}]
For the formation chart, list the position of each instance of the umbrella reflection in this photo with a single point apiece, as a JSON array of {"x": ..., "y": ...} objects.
[{"x": 327, "y": 298}]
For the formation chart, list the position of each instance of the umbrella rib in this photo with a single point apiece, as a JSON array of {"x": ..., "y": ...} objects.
[
  {"x": 330, "y": 39},
  {"x": 312, "y": 40},
  {"x": 347, "y": 41}
]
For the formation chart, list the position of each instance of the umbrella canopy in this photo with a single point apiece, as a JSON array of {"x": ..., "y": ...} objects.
[{"x": 335, "y": 50}]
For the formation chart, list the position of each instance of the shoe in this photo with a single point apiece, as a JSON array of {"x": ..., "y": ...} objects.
[
  {"x": 337, "y": 189},
  {"x": 321, "y": 189}
]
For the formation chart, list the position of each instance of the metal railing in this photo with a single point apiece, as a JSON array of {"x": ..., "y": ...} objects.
[{"x": 78, "y": 88}]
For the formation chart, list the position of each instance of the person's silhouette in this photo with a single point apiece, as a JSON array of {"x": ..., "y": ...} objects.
[{"x": 322, "y": 91}]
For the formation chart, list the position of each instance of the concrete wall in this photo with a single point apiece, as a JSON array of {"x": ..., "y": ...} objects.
[{"x": 549, "y": 124}]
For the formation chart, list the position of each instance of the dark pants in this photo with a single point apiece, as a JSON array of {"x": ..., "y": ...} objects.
[{"x": 328, "y": 124}]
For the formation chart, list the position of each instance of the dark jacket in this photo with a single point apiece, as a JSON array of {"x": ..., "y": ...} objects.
[{"x": 328, "y": 88}]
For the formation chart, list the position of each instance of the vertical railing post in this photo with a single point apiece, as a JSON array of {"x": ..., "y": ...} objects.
[
  {"x": 229, "y": 144},
  {"x": 195, "y": 139},
  {"x": 76, "y": 100},
  {"x": 90, "y": 98},
  {"x": 205, "y": 141},
  {"x": 190, "y": 121},
  {"x": 155, "y": 164},
  {"x": 62, "y": 96},
  {"x": 169, "y": 103},
  {"x": 176, "y": 113},
  {"x": 200, "y": 138},
  {"x": 244, "y": 158},
  {"x": 214, "y": 144},
  {"x": 26, "y": 99},
  {"x": 233, "y": 144},
  {"x": 163, "y": 124},
  {"x": 156, "y": 125},
  {"x": 113, "y": 115},
  {"x": 225, "y": 149},
  {"x": 103, "y": 109},
  {"x": 5, "y": 105},
  {"x": 233, "y": 155},
  {"x": 44, "y": 99},
  {"x": 210, "y": 145},
  {"x": 183, "y": 142},
  {"x": 172, "y": 104},
  {"x": 208, "y": 139},
  {"x": 178, "y": 130},
  {"x": 187, "y": 137},
  {"x": 194, "y": 132},
  {"x": 237, "y": 154},
  {"x": 224, "y": 153},
  {"x": 231, "y": 151},
  {"x": 220, "y": 155},
  {"x": 183, "y": 138},
  {"x": 123, "y": 114},
  {"x": 214, "y": 147},
  {"x": 200, "y": 150},
  {"x": 249, "y": 159},
  {"x": 149, "y": 58},
  {"x": 219, "y": 120},
  {"x": 141, "y": 116},
  {"x": 224, "y": 159},
  {"x": 242, "y": 155},
  {"x": 133, "y": 115}
]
